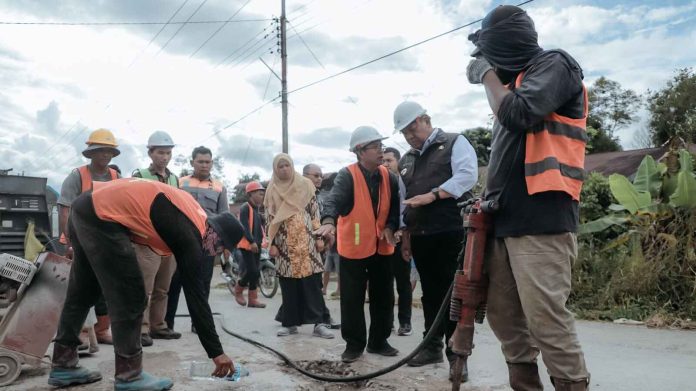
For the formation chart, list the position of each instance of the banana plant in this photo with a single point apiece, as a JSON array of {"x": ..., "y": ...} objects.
[{"x": 654, "y": 192}]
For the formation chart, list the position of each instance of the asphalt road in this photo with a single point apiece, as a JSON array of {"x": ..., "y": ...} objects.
[{"x": 619, "y": 357}]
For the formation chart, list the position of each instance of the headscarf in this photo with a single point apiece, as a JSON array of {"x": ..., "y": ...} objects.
[
  {"x": 285, "y": 198},
  {"x": 508, "y": 44}
]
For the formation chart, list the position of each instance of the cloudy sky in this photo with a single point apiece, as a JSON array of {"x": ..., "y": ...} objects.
[{"x": 59, "y": 82}]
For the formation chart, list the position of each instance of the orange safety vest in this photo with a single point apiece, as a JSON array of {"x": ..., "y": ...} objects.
[
  {"x": 359, "y": 231},
  {"x": 86, "y": 177},
  {"x": 87, "y": 183},
  {"x": 244, "y": 244},
  {"x": 554, "y": 157},
  {"x": 128, "y": 202}
]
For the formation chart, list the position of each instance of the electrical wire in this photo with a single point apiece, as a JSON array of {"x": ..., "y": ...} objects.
[
  {"x": 392, "y": 53},
  {"x": 182, "y": 26},
  {"x": 219, "y": 28},
  {"x": 243, "y": 46},
  {"x": 307, "y": 46},
  {"x": 127, "y": 23},
  {"x": 434, "y": 328},
  {"x": 137, "y": 56},
  {"x": 242, "y": 118}
]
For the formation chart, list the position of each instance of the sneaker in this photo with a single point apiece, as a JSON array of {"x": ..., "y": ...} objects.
[
  {"x": 165, "y": 333},
  {"x": 321, "y": 331},
  {"x": 285, "y": 331},
  {"x": 384, "y": 350},
  {"x": 426, "y": 356},
  {"x": 404, "y": 329},
  {"x": 145, "y": 339},
  {"x": 349, "y": 356}
]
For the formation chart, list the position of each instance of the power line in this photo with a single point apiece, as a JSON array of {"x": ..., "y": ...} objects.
[
  {"x": 243, "y": 46},
  {"x": 219, "y": 28},
  {"x": 127, "y": 23},
  {"x": 393, "y": 53},
  {"x": 245, "y": 116},
  {"x": 158, "y": 33},
  {"x": 268, "y": 82},
  {"x": 307, "y": 46},
  {"x": 243, "y": 55},
  {"x": 182, "y": 26}
]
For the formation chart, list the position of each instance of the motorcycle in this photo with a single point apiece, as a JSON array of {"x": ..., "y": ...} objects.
[{"x": 268, "y": 279}]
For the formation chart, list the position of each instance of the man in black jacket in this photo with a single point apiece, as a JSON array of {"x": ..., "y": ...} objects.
[
  {"x": 535, "y": 173},
  {"x": 438, "y": 171}
]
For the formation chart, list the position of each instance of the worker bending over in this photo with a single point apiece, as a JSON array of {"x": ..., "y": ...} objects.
[{"x": 102, "y": 225}]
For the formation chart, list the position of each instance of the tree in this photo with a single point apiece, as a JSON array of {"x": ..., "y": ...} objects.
[
  {"x": 673, "y": 109},
  {"x": 239, "y": 190},
  {"x": 480, "y": 138},
  {"x": 611, "y": 107},
  {"x": 599, "y": 141}
]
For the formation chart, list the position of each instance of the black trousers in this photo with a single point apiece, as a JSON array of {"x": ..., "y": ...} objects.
[
  {"x": 303, "y": 302},
  {"x": 436, "y": 260},
  {"x": 250, "y": 264},
  {"x": 355, "y": 274},
  {"x": 402, "y": 276},
  {"x": 204, "y": 277},
  {"x": 104, "y": 257}
]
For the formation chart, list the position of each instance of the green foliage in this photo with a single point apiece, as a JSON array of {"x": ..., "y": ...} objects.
[
  {"x": 599, "y": 141},
  {"x": 611, "y": 106},
  {"x": 673, "y": 109},
  {"x": 480, "y": 138},
  {"x": 639, "y": 258},
  {"x": 239, "y": 195}
]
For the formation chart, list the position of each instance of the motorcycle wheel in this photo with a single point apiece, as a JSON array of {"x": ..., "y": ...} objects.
[{"x": 268, "y": 282}]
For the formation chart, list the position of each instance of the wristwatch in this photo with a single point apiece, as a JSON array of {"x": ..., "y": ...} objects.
[{"x": 436, "y": 192}]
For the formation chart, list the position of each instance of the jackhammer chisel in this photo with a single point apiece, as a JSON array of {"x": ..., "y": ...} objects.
[{"x": 468, "y": 303}]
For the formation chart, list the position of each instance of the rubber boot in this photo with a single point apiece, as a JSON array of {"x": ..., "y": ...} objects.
[
  {"x": 103, "y": 330},
  {"x": 524, "y": 377},
  {"x": 569, "y": 385},
  {"x": 239, "y": 295},
  {"x": 130, "y": 376},
  {"x": 65, "y": 370},
  {"x": 254, "y": 299}
]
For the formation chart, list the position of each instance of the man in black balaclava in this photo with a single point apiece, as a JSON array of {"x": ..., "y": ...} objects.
[{"x": 535, "y": 173}]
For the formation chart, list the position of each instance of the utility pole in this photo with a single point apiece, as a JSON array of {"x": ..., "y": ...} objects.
[{"x": 284, "y": 75}]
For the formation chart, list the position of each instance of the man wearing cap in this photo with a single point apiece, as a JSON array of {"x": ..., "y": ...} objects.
[
  {"x": 211, "y": 194},
  {"x": 157, "y": 270},
  {"x": 535, "y": 173},
  {"x": 103, "y": 223},
  {"x": 101, "y": 148},
  {"x": 363, "y": 210},
  {"x": 438, "y": 171},
  {"x": 250, "y": 246}
]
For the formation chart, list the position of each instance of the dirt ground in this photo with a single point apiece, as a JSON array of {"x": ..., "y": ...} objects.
[{"x": 620, "y": 357}]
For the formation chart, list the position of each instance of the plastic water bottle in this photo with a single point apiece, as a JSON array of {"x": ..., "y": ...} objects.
[{"x": 203, "y": 369}]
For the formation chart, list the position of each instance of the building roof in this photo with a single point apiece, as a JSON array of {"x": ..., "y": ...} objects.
[{"x": 624, "y": 162}]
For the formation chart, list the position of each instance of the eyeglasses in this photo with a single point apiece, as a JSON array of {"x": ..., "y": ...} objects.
[{"x": 374, "y": 146}]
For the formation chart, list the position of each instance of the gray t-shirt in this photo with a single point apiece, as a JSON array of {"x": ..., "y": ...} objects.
[{"x": 72, "y": 185}]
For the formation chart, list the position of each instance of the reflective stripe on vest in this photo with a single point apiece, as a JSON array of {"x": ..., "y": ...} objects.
[
  {"x": 554, "y": 157},
  {"x": 86, "y": 177},
  {"x": 190, "y": 181},
  {"x": 358, "y": 232},
  {"x": 128, "y": 202},
  {"x": 146, "y": 174}
]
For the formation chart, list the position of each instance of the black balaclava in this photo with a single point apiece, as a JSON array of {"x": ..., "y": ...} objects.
[{"x": 507, "y": 39}]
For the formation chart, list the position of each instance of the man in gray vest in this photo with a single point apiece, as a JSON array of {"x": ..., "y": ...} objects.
[
  {"x": 438, "y": 171},
  {"x": 157, "y": 270},
  {"x": 211, "y": 195}
]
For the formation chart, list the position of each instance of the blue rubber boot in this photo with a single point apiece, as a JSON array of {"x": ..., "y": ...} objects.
[
  {"x": 63, "y": 377},
  {"x": 144, "y": 382}
]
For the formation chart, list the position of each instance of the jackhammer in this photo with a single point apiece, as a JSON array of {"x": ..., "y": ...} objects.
[{"x": 468, "y": 303}]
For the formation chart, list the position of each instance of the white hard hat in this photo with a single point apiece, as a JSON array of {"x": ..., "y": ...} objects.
[
  {"x": 364, "y": 135},
  {"x": 160, "y": 139},
  {"x": 405, "y": 113}
]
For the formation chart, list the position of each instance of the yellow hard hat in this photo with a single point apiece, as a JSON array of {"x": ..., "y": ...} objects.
[
  {"x": 102, "y": 136},
  {"x": 100, "y": 139}
]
